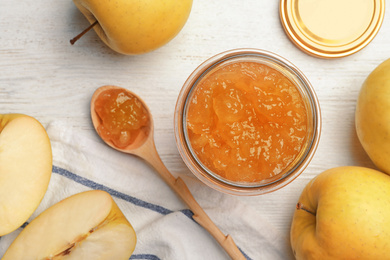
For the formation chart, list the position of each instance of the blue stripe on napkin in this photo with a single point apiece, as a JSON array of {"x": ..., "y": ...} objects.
[
  {"x": 133, "y": 200},
  {"x": 144, "y": 257}
]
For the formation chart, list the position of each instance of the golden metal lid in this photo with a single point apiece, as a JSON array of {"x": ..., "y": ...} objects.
[{"x": 331, "y": 28}]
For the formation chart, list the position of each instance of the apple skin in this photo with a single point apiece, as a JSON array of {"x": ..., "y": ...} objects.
[
  {"x": 372, "y": 116},
  {"x": 25, "y": 169},
  {"x": 136, "y": 26},
  {"x": 351, "y": 216}
]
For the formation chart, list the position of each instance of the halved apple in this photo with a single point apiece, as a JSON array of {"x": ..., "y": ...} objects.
[
  {"x": 25, "y": 169},
  {"x": 87, "y": 225}
]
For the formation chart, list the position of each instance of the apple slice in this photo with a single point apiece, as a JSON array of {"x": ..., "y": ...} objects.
[
  {"x": 88, "y": 225},
  {"x": 25, "y": 169}
]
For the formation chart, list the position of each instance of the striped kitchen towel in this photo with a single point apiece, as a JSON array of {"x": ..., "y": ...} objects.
[{"x": 164, "y": 226}]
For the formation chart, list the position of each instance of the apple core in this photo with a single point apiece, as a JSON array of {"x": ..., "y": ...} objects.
[{"x": 123, "y": 117}]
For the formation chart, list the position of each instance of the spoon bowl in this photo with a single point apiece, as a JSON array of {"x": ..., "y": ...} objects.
[
  {"x": 144, "y": 147},
  {"x": 142, "y": 137}
]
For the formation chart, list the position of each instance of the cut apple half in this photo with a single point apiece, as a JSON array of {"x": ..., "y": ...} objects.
[
  {"x": 87, "y": 225},
  {"x": 25, "y": 169}
]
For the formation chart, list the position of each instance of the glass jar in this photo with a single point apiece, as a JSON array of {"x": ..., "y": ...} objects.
[{"x": 294, "y": 168}]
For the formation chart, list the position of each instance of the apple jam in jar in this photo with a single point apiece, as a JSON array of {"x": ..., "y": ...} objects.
[{"x": 247, "y": 122}]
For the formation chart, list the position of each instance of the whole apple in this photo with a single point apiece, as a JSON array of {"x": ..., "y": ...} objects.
[
  {"x": 372, "y": 116},
  {"x": 136, "y": 26},
  {"x": 343, "y": 213}
]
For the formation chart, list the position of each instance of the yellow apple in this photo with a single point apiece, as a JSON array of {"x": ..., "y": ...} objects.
[
  {"x": 372, "y": 116},
  {"x": 343, "y": 213},
  {"x": 25, "y": 169},
  {"x": 87, "y": 225},
  {"x": 136, "y": 26}
]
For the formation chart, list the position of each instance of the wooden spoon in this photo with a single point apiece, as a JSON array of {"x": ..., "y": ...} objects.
[{"x": 144, "y": 147}]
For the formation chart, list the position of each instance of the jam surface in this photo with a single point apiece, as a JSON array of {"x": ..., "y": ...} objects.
[
  {"x": 246, "y": 122},
  {"x": 122, "y": 117}
]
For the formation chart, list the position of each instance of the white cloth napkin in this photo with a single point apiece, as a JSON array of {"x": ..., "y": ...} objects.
[{"x": 163, "y": 224}]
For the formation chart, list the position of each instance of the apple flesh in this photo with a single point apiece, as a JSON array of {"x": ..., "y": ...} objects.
[
  {"x": 372, "y": 116},
  {"x": 136, "y": 26},
  {"x": 343, "y": 213},
  {"x": 25, "y": 169},
  {"x": 87, "y": 225}
]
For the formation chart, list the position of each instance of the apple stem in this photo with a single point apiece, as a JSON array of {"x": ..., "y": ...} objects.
[
  {"x": 72, "y": 41},
  {"x": 300, "y": 206}
]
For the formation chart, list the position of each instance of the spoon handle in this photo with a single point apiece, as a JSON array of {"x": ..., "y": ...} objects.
[
  {"x": 204, "y": 220},
  {"x": 200, "y": 216}
]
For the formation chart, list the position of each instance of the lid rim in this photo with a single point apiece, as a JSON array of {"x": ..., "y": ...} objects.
[{"x": 322, "y": 50}]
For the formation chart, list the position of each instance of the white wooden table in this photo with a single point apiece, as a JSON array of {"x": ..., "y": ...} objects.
[{"x": 42, "y": 75}]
